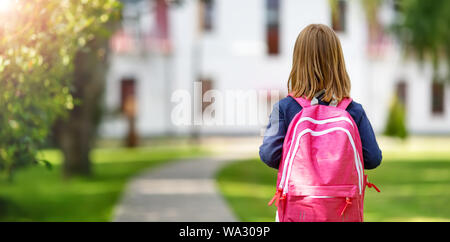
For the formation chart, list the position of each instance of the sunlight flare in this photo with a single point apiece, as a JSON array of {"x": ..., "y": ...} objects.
[{"x": 6, "y": 5}]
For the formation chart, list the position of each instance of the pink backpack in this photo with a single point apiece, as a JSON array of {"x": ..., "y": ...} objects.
[{"x": 321, "y": 175}]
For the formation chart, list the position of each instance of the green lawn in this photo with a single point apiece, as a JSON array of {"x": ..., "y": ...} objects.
[
  {"x": 38, "y": 194},
  {"x": 414, "y": 187}
]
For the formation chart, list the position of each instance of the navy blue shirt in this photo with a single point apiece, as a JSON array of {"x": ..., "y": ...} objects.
[{"x": 285, "y": 110}]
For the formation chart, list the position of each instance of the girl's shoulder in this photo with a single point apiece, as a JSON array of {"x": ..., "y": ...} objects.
[
  {"x": 287, "y": 102},
  {"x": 356, "y": 110},
  {"x": 289, "y": 105},
  {"x": 355, "y": 106}
]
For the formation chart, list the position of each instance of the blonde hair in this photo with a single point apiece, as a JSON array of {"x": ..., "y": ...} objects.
[{"x": 318, "y": 63}]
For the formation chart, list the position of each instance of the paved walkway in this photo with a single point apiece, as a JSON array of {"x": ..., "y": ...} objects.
[{"x": 183, "y": 191}]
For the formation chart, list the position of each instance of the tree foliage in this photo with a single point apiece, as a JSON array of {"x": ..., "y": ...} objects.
[
  {"x": 38, "y": 43},
  {"x": 423, "y": 28}
]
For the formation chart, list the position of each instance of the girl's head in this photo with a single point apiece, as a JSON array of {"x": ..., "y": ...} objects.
[{"x": 319, "y": 64}]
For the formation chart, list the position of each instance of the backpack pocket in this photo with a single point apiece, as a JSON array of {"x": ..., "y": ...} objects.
[{"x": 322, "y": 204}]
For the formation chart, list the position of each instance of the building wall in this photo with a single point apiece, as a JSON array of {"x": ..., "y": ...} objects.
[{"x": 234, "y": 56}]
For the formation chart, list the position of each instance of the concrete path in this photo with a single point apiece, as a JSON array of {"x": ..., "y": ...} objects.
[{"x": 183, "y": 191}]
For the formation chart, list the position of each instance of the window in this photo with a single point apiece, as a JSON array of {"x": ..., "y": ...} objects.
[
  {"x": 207, "y": 85},
  {"x": 128, "y": 107},
  {"x": 437, "y": 97},
  {"x": 339, "y": 15},
  {"x": 128, "y": 96},
  {"x": 402, "y": 89},
  {"x": 273, "y": 26},
  {"x": 206, "y": 15}
]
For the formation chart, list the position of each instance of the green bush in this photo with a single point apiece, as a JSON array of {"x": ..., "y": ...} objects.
[{"x": 396, "y": 122}]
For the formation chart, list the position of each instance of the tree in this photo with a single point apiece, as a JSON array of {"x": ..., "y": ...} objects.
[
  {"x": 39, "y": 42},
  {"x": 75, "y": 135},
  {"x": 423, "y": 28}
]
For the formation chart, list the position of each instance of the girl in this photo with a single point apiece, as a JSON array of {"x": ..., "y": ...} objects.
[
  {"x": 318, "y": 76},
  {"x": 318, "y": 65}
]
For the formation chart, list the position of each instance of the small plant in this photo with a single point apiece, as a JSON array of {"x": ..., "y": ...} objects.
[{"x": 396, "y": 122}]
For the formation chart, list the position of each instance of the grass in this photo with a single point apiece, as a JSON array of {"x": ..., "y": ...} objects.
[
  {"x": 39, "y": 194},
  {"x": 414, "y": 187}
]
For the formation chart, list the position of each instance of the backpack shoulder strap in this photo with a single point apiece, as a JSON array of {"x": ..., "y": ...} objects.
[
  {"x": 344, "y": 103},
  {"x": 302, "y": 101}
]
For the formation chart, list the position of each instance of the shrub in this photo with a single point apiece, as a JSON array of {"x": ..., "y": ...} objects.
[{"x": 396, "y": 122}]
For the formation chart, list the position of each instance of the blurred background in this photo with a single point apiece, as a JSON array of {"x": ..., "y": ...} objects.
[{"x": 90, "y": 93}]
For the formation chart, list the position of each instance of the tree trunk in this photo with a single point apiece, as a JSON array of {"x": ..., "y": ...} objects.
[
  {"x": 75, "y": 135},
  {"x": 75, "y": 143}
]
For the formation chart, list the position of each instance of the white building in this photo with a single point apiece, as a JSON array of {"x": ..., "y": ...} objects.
[{"x": 248, "y": 45}]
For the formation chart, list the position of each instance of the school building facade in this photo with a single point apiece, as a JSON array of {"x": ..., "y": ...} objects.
[{"x": 234, "y": 45}]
